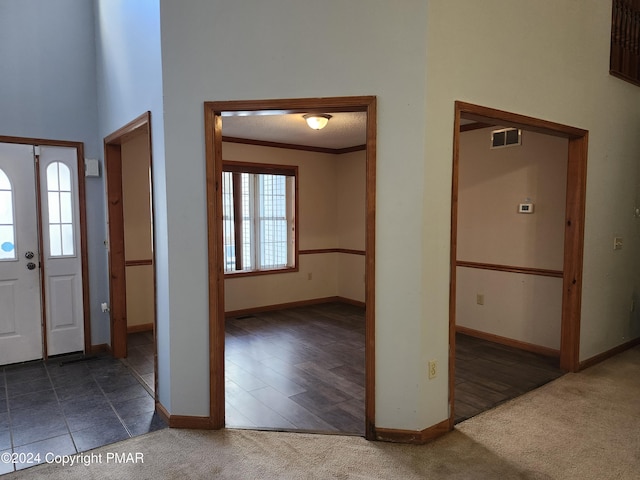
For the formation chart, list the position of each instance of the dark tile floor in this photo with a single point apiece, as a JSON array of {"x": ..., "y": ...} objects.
[{"x": 64, "y": 408}]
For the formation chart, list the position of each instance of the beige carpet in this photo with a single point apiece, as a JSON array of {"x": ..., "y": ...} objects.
[{"x": 581, "y": 426}]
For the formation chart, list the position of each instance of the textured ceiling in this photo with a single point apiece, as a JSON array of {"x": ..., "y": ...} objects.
[{"x": 344, "y": 130}]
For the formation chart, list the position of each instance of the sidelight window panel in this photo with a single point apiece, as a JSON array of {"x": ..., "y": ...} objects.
[{"x": 60, "y": 210}]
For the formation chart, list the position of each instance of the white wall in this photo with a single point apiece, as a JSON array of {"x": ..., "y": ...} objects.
[
  {"x": 331, "y": 198},
  {"x": 547, "y": 59},
  {"x": 491, "y": 184},
  {"x": 48, "y": 90},
  {"x": 129, "y": 76},
  {"x": 224, "y": 49}
]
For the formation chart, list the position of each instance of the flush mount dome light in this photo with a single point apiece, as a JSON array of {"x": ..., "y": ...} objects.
[{"x": 317, "y": 121}]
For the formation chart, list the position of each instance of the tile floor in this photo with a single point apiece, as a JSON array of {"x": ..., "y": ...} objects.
[
  {"x": 140, "y": 351},
  {"x": 72, "y": 407}
]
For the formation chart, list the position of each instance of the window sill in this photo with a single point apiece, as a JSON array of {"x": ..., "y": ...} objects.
[{"x": 255, "y": 273}]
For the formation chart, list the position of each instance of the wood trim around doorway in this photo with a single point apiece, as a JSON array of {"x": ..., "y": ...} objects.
[
  {"x": 574, "y": 227},
  {"x": 117, "y": 281},
  {"x": 79, "y": 146},
  {"x": 213, "y": 144}
]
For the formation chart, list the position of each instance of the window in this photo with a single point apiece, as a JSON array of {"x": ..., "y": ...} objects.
[
  {"x": 7, "y": 227},
  {"x": 61, "y": 235},
  {"x": 258, "y": 203}
]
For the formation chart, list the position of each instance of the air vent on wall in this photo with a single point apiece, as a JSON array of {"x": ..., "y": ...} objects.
[{"x": 506, "y": 137}]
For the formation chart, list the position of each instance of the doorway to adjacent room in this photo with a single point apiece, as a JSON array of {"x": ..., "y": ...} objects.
[{"x": 565, "y": 270}]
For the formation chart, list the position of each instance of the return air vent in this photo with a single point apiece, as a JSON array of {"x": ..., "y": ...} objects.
[{"x": 506, "y": 137}]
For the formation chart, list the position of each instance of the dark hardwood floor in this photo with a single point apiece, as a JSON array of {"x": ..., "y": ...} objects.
[
  {"x": 297, "y": 369},
  {"x": 140, "y": 358},
  {"x": 488, "y": 374},
  {"x": 303, "y": 369}
]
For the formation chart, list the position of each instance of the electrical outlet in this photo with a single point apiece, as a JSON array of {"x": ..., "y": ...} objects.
[
  {"x": 480, "y": 299},
  {"x": 433, "y": 369}
]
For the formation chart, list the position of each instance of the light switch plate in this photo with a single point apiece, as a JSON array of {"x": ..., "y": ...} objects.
[{"x": 91, "y": 168}]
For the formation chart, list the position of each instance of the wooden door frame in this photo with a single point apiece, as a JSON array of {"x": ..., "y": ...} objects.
[
  {"x": 213, "y": 141},
  {"x": 82, "y": 202},
  {"x": 115, "y": 217},
  {"x": 574, "y": 227}
]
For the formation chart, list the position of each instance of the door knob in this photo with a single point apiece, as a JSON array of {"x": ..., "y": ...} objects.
[
  {"x": 31, "y": 266},
  {"x": 28, "y": 255}
]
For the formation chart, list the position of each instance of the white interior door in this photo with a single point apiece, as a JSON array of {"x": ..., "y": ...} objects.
[
  {"x": 20, "y": 301},
  {"x": 61, "y": 249}
]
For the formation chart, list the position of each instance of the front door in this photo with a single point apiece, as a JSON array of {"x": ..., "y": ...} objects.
[
  {"x": 20, "y": 310},
  {"x": 24, "y": 269}
]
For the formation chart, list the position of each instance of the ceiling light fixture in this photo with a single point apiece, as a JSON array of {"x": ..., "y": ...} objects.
[{"x": 317, "y": 121}]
